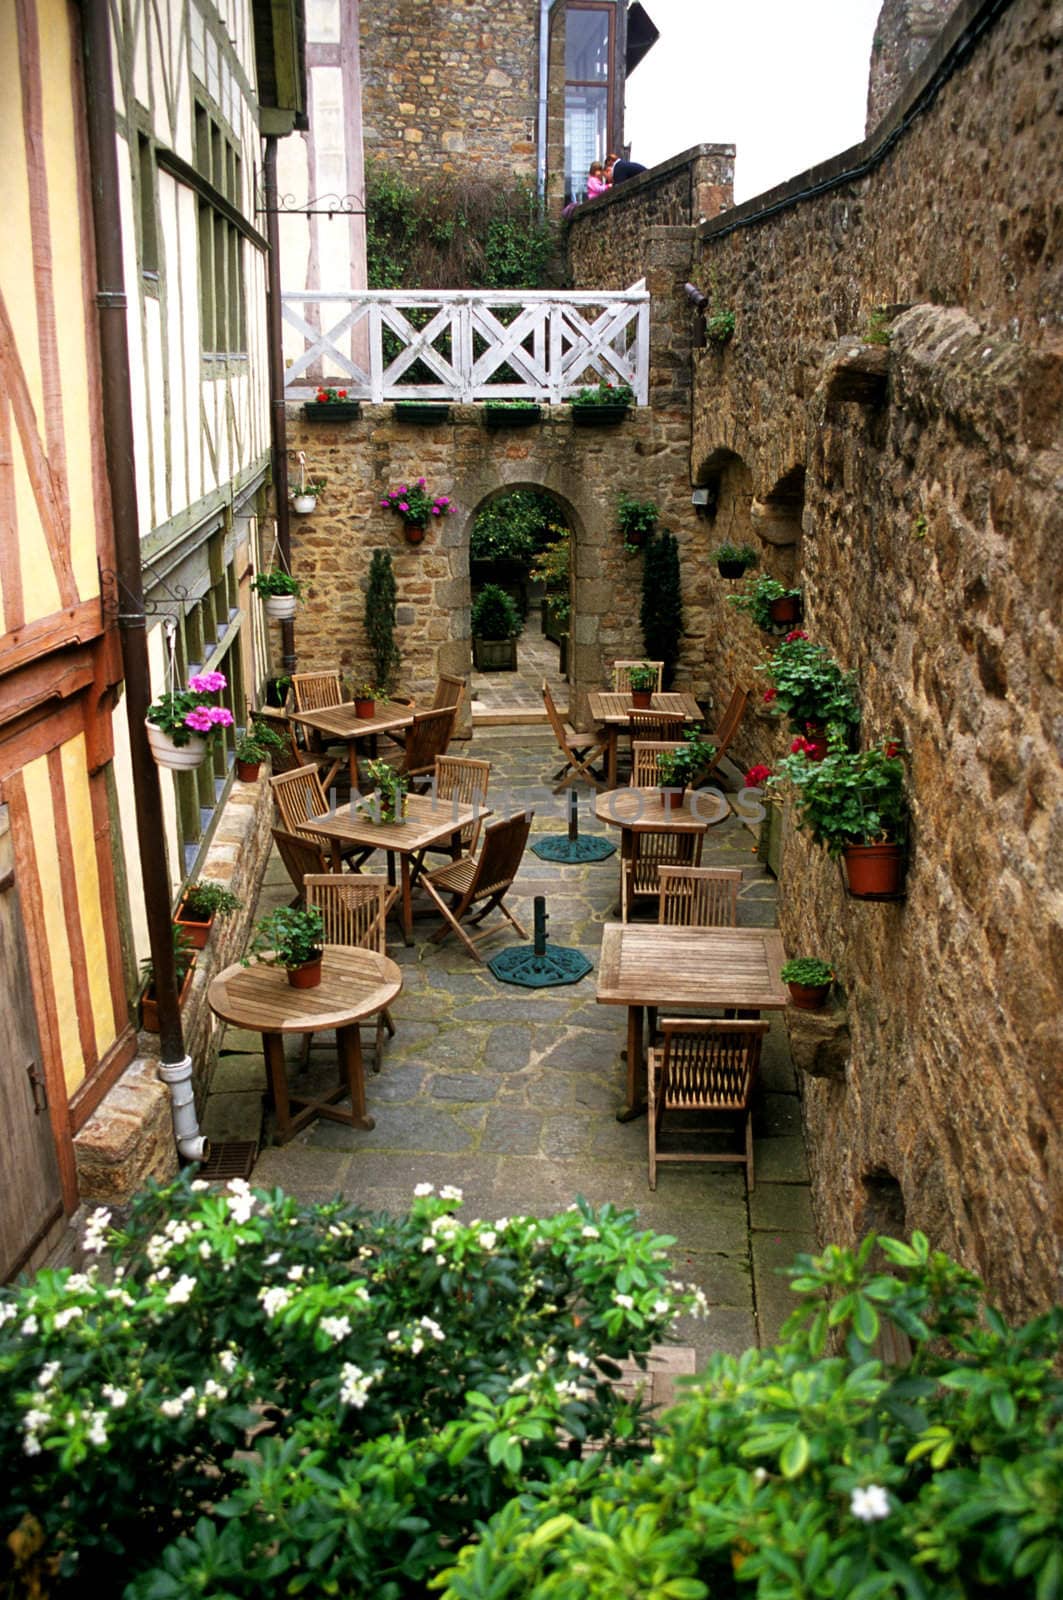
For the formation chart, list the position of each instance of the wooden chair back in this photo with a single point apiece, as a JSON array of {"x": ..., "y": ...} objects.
[
  {"x": 729, "y": 723},
  {"x": 640, "y": 873},
  {"x": 662, "y": 727},
  {"x": 708, "y": 1065},
  {"x": 621, "y": 681},
  {"x": 427, "y": 738},
  {"x": 555, "y": 717},
  {"x": 699, "y": 897},
  {"x": 644, "y": 753},
  {"x": 315, "y": 691},
  {"x": 300, "y": 856},
  {"x": 500, "y": 857},
  {"x": 450, "y": 691},
  {"x": 465, "y": 781},
  {"x": 353, "y": 907},
  {"x": 299, "y": 795}
]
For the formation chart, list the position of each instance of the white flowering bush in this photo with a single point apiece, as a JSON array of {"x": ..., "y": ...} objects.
[
  {"x": 816, "y": 1470},
  {"x": 255, "y": 1396}
]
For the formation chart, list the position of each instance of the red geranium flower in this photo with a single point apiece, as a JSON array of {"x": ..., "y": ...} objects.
[
  {"x": 342, "y": 393},
  {"x": 769, "y": 695},
  {"x": 891, "y": 750},
  {"x": 757, "y": 775},
  {"x": 795, "y": 633},
  {"x": 803, "y": 747}
]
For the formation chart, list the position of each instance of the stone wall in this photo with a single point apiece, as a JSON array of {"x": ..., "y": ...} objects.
[
  {"x": 904, "y": 33},
  {"x": 450, "y": 87},
  {"x": 608, "y": 238},
  {"x": 914, "y": 489}
]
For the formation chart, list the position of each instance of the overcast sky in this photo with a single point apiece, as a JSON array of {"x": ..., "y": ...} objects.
[{"x": 784, "y": 80}]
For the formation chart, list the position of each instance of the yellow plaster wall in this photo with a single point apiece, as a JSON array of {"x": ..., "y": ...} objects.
[
  {"x": 83, "y": 846},
  {"x": 50, "y": 872}
]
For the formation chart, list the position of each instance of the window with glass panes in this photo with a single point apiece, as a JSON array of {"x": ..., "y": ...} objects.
[
  {"x": 589, "y": 51},
  {"x": 223, "y": 316}
]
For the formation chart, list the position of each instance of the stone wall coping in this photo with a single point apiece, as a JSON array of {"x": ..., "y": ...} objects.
[
  {"x": 642, "y": 181},
  {"x": 961, "y": 33}
]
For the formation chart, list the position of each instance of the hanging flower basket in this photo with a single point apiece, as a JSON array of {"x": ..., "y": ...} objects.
[
  {"x": 304, "y": 504},
  {"x": 280, "y": 606},
  {"x": 601, "y": 405},
  {"x": 182, "y": 758},
  {"x": 414, "y": 504}
]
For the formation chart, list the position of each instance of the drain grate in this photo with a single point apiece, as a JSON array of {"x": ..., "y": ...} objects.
[{"x": 232, "y": 1158}]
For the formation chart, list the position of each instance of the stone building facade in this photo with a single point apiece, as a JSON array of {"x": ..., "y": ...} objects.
[
  {"x": 904, "y": 32},
  {"x": 911, "y": 489}
]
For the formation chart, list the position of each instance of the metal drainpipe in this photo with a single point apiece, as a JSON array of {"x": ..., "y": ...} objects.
[
  {"x": 175, "y": 1065},
  {"x": 278, "y": 423},
  {"x": 545, "y": 7}
]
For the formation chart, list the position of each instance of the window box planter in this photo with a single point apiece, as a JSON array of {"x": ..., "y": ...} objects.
[
  {"x": 332, "y": 410},
  {"x": 598, "y": 416},
  {"x": 499, "y": 415},
  {"x": 149, "y": 1005},
  {"x": 422, "y": 412},
  {"x": 495, "y": 655}
]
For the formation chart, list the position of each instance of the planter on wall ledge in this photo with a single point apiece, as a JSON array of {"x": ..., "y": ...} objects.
[
  {"x": 248, "y": 771},
  {"x": 502, "y": 416},
  {"x": 280, "y": 606},
  {"x": 332, "y": 410},
  {"x": 598, "y": 416},
  {"x": 808, "y": 997},
  {"x": 197, "y": 929},
  {"x": 180, "y": 757},
  {"x": 731, "y": 569},
  {"x": 414, "y": 532},
  {"x": 303, "y": 504},
  {"x": 495, "y": 655},
  {"x": 422, "y": 411},
  {"x": 149, "y": 1005},
  {"x": 874, "y": 871},
  {"x": 785, "y": 610}
]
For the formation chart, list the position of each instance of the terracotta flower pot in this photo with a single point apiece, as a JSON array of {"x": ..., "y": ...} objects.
[
  {"x": 672, "y": 797},
  {"x": 248, "y": 771},
  {"x": 414, "y": 532},
  {"x": 874, "y": 870},
  {"x": 642, "y": 699},
  {"x": 197, "y": 929},
  {"x": 364, "y": 708},
  {"x": 806, "y": 997},
  {"x": 149, "y": 1005},
  {"x": 785, "y": 610},
  {"x": 183, "y": 757},
  {"x": 308, "y": 976}
]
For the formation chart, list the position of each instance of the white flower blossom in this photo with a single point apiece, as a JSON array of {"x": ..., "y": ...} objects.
[
  {"x": 48, "y": 1373},
  {"x": 241, "y": 1200},
  {"x": 227, "y": 1361},
  {"x": 521, "y": 1383},
  {"x": 661, "y": 1308},
  {"x": 590, "y": 1233},
  {"x": 870, "y": 1504},
  {"x": 625, "y": 1300},
  {"x": 30, "y": 1326},
  {"x": 427, "y": 1243},
  {"x": 296, "y": 1272},
  {"x": 70, "y": 1314},
  {"x": 215, "y": 1390},
  {"x": 760, "y": 1475},
  {"x": 335, "y": 1327},
  {"x": 416, "y": 1345},
  {"x": 180, "y": 1232},
  {"x": 77, "y": 1283},
  {"x": 181, "y": 1291},
  {"x": 271, "y": 1260},
  {"x": 450, "y": 1191},
  {"x": 98, "y": 1428},
  {"x": 199, "y": 1186},
  {"x": 205, "y": 1249},
  {"x": 423, "y": 1189},
  {"x": 8, "y": 1311},
  {"x": 487, "y": 1239},
  {"x": 354, "y": 1385},
  {"x": 94, "y": 1242},
  {"x": 158, "y": 1248},
  {"x": 274, "y": 1300},
  {"x": 115, "y": 1397},
  {"x": 171, "y": 1408},
  {"x": 393, "y": 1336},
  {"x": 579, "y": 1358},
  {"x": 35, "y": 1420},
  {"x": 433, "y": 1328}
]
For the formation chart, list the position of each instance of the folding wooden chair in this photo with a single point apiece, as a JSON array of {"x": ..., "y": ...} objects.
[
  {"x": 300, "y": 855},
  {"x": 661, "y": 727},
  {"x": 480, "y": 882},
  {"x": 699, "y": 897},
  {"x": 316, "y": 691},
  {"x": 461, "y": 780},
  {"x": 703, "y": 1066},
  {"x": 644, "y": 753},
  {"x": 450, "y": 691},
  {"x": 427, "y": 738},
  {"x": 621, "y": 681},
  {"x": 354, "y": 911},
  {"x": 639, "y": 872},
  {"x": 300, "y": 797},
  {"x": 578, "y": 749},
  {"x": 729, "y": 725}
]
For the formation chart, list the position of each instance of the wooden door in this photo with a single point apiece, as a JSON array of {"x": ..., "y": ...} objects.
[{"x": 30, "y": 1199}]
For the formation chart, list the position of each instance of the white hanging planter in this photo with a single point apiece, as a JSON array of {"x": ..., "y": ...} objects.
[
  {"x": 183, "y": 757},
  {"x": 304, "y": 503},
  {"x": 280, "y": 606}
]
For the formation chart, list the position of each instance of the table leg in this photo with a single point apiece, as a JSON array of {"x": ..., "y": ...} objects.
[
  {"x": 352, "y": 766},
  {"x": 277, "y": 1082},
  {"x": 610, "y": 759},
  {"x": 407, "y": 900},
  {"x": 635, "y": 1103},
  {"x": 349, "y": 1044}
]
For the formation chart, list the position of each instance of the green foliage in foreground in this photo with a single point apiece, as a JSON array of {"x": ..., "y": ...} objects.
[{"x": 813, "y": 1470}]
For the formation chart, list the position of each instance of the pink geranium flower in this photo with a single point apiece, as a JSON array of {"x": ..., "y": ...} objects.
[
  {"x": 220, "y": 716},
  {"x": 208, "y": 682},
  {"x": 198, "y": 720}
]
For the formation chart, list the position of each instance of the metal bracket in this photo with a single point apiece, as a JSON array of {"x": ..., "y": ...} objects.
[
  {"x": 323, "y": 205},
  {"x": 113, "y": 592}
]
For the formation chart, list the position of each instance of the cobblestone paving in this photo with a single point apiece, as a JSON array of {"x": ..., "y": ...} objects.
[
  {"x": 501, "y": 696},
  {"x": 511, "y": 1094}
]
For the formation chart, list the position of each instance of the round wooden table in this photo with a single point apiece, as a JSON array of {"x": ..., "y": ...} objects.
[{"x": 354, "y": 984}]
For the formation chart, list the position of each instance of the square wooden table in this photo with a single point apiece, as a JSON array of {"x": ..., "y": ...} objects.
[
  {"x": 644, "y": 964},
  {"x": 343, "y": 722},
  {"x": 428, "y": 821},
  {"x": 354, "y": 984},
  {"x": 612, "y": 711}
]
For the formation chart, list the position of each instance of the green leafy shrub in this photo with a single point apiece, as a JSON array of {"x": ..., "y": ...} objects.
[
  {"x": 846, "y": 798},
  {"x": 807, "y": 685},
  {"x": 757, "y": 598},
  {"x": 205, "y": 899},
  {"x": 401, "y": 1379},
  {"x": 661, "y": 612},
  {"x": 495, "y": 614},
  {"x": 381, "y": 599},
  {"x": 683, "y": 767},
  {"x": 287, "y": 937},
  {"x": 515, "y": 527},
  {"x": 807, "y": 970},
  {"x": 805, "y": 1471}
]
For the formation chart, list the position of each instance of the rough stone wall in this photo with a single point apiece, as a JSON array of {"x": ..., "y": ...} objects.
[
  {"x": 450, "y": 87},
  {"x": 904, "y": 33},
  {"x": 608, "y": 238},
  {"x": 929, "y": 543}
]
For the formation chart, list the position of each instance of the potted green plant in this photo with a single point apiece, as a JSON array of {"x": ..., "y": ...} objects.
[
  {"x": 277, "y": 690},
  {"x": 643, "y": 681},
  {"x": 807, "y": 685},
  {"x": 552, "y": 568},
  {"x": 413, "y": 503},
  {"x": 332, "y": 405},
  {"x": 279, "y": 591},
  {"x": 387, "y": 803},
  {"x": 253, "y": 747},
  {"x": 182, "y": 722},
  {"x": 184, "y": 959},
  {"x": 511, "y": 413},
  {"x": 380, "y": 614},
  {"x": 854, "y": 805},
  {"x": 601, "y": 403},
  {"x": 734, "y": 560},
  {"x": 365, "y": 698},
  {"x": 422, "y": 412},
  {"x": 200, "y": 904},
  {"x": 808, "y": 980},
  {"x": 496, "y": 626},
  {"x": 293, "y": 940},
  {"x": 767, "y": 602},
  {"x": 679, "y": 770},
  {"x": 636, "y": 520}
]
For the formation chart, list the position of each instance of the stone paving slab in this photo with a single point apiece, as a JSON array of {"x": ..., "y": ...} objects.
[{"x": 511, "y": 1094}]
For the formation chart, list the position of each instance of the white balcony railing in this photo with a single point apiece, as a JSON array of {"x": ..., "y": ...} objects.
[{"x": 367, "y": 341}]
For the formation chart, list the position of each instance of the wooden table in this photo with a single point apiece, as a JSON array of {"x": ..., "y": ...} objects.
[
  {"x": 354, "y": 984},
  {"x": 643, "y": 811},
  {"x": 644, "y": 964},
  {"x": 429, "y": 821},
  {"x": 343, "y": 722},
  {"x": 613, "y": 712}
]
